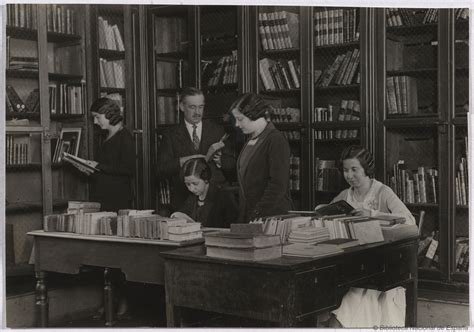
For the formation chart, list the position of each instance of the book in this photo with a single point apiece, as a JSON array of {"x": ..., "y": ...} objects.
[
  {"x": 184, "y": 236},
  {"x": 336, "y": 208},
  {"x": 367, "y": 231},
  {"x": 15, "y": 99},
  {"x": 398, "y": 231},
  {"x": 241, "y": 240},
  {"x": 185, "y": 228},
  {"x": 309, "y": 250},
  {"x": 340, "y": 243},
  {"x": 251, "y": 228},
  {"x": 81, "y": 164},
  {"x": 212, "y": 151},
  {"x": 244, "y": 254}
]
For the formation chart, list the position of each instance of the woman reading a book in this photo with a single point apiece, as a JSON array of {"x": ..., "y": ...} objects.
[
  {"x": 263, "y": 167},
  {"x": 208, "y": 204},
  {"x": 111, "y": 186},
  {"x": 369, "y": 197}
]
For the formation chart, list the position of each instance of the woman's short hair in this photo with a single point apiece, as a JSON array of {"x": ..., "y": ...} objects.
[
  {"x": 197, "y": 167},
  {"x": 110, "y": 108},
  {"x": 252, "y": 105},
  {"x": 189, "y": 91},
  {"x": 362, "y": 155}
]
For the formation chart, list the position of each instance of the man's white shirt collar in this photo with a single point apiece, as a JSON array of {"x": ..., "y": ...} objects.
[{"x": 189, "y": 127}]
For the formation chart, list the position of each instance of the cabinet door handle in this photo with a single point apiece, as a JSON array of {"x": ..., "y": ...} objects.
[{"x": 315, "y": 280}]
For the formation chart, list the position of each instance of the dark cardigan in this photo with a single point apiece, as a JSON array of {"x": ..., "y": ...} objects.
[
  {"x": 112, "y": 185},
  {"x": 219, "y": 209},
  {"x": 264, "y": 178}
]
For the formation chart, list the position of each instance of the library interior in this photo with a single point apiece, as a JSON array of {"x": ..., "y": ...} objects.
[{"x": 236, "y": 166}]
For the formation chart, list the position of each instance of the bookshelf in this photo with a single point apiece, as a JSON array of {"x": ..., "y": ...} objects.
[
  {"x": 44, "y": 58},
  {"x": 171, "y": 63},
  {"x": 278, "y": 77},
  {"x": 421, "y": 128}
]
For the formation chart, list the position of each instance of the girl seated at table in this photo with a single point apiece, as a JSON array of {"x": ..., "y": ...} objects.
[
  {"x": 210, "y": 205},
  {"x": 369, "y": 197}
]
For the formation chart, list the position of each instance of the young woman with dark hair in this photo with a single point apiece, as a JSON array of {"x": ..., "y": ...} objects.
[
  {"x": 112, "y": 185},
  {"x": 208, "y": 204},
  {"x": 367, "y": 307},
  {"x": 263, "y": 167}
]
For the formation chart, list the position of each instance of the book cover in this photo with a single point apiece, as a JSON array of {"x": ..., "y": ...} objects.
[
  {"x": 244, "y": 254},
  {"x": 340, "y": 243},
  {"x": 309, "y": 250},
  {"x": 241, "y": 240},
  {"x": 336, "y": 208}
]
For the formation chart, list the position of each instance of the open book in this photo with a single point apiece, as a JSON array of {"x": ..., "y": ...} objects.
[
  {"x": 337, "y": 208},
  {"x": 83, "y": 165},
  {"x": 212, "y": 151}
]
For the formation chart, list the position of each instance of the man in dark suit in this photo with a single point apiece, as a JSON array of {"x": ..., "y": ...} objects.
[{"x": 191, "y": 138}]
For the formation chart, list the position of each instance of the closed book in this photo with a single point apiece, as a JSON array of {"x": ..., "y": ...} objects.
[
  {"x": 309, "y": 250},
  {"x": 185, "y": 228},
  {"x": 367, "y": 231},
  {"x": 340, "y": 243},
  {"x": 184, "y": 237},
  {"x": 253, "y": 229},
  {"x": 244, "y": 254},
  {"x": 240, "y": 240}
]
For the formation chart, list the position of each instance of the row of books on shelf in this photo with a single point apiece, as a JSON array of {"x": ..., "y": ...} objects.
[
  {"x": 61, "y": 18},
  {"x": 171, "y": 73},
  {"x": 279, "y": 30},
  {"x": 295, "y": 171},
  {"x": 408, "y": 16},
  {"x": 112, "y": 73},
  {"x": 462, "y": 188},
  {"x": 327, "y": 176},
  {"x": 221, "y": 71},
  {"x": 170, "y": 34},
  {"x": 22, "y": 15},
  {"x": 292, "y": 135},
  {"x": 342, "y": 71},
  {"x": 63, "y": 99},
  {"x": 462, "y": 254},
  {"x": 217, "y": 38},
  {"x": 285, "y": 115},
  {"x": 415, "y": 186},
  {"x": 336, "y": 134},
  {"x": 280, "y": 74},
  {"x": 110, "y": 37},
  {"x": 68, "y": 141},
  {"x": 402, "y": 95},
  {"x": 89, "y": 220},
  {"x": 17, "y": 149},
  {"x": 335, "y": 26},
  {"x": 21, "y": 62},
  {"x": 166, "y": 110},
  {"x": 347, "y": 110}
]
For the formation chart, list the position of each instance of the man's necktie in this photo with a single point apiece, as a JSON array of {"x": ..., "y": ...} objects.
[{"x": 195, "y": 138}]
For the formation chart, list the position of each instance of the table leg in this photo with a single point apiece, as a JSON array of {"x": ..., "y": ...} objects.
[
  {"x": 411, "y": 302},
  {"x": 108, "y": 299},
  {"x": 173, "y": 315},
  {"x": 41, "y": 300}
]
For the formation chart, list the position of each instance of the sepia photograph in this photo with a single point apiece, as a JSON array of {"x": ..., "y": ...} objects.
[{"x": 236, "y": 165}]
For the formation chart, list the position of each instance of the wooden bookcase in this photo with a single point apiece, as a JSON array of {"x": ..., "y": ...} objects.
[
  {"x": 427, "y": 133},
  {"x": 45, "y": 54}
]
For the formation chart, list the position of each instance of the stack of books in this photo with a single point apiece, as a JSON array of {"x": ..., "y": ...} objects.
[
  {"x": 178, "y": 229},
  {"x": 242, "y": 246},
  {"x": 309, "y": 235},
  {"x": 138, "y": 223}
]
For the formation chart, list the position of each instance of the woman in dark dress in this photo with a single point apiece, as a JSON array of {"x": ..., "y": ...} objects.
[
  {"x": 112, "y": 185},
  {"x": 263, "y": 167},
  {"x": 208, "y": 204}
]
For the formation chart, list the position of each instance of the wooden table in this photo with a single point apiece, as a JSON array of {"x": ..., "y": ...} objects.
[
  {"x": 288, "y": 291},
  {"x": 139, "y": 260}
]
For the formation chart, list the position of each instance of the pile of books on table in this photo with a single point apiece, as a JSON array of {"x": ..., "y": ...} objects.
[
  {"x": 244, "y": 242},
  {"x": 86, "y": 218}
]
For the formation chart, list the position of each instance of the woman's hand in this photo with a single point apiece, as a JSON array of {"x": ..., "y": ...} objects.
[{"x": 361, "y": 212}]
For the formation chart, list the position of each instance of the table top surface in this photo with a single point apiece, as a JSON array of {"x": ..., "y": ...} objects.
[
  {"x": 113, "y": 238},
  {"x": 198, "y": 254}
]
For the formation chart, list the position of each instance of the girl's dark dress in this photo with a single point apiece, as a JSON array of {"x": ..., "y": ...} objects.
[
  {"x": 112, "y": 186},
  {"x": 219, "y": 209}
]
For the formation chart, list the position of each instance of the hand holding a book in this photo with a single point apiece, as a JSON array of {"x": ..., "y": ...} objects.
[
  {"x": 361, "y": 212},
  {"x": 182, "y": 160},
  {"x": 181, "y": 215},
  {"x": 213, "y": 152}
]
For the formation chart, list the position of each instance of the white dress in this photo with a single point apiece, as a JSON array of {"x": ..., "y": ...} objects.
[{"x": 367, "y": 307}]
